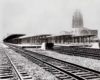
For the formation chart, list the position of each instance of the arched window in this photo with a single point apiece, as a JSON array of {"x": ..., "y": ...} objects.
[{"x": 84, "y": 32}]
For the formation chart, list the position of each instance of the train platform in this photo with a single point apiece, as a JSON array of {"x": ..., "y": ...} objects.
[
  {"x": 94, "y": 45},
  {"x": 84, "y": 45},
  {"x": 26, "y": 45}
]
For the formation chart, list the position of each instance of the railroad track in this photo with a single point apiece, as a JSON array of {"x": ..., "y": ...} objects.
[
  {"x": 61, "y": 69},
  {"x": 83, "y": 52},
  {"x": 8, "y": 69}
]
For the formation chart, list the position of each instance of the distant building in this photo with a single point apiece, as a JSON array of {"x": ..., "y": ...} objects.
[
  {"x": 77, "y": 21},
  {"x": 78, "y": 28},
  {"x": 79, "y": 36},
  {"x": 94, "y": 32}
]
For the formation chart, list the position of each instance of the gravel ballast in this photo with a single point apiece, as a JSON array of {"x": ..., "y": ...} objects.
[
  {"x": 32, "y": 69},
  {"x": 86, "y": 62}
]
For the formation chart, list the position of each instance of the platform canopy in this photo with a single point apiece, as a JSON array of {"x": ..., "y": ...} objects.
[
  {"x": 39, "y": 35},
  {"x": 59, "y": 35},
  {"x": 13, "y": 36},
  {"x": 83, "y": 35}
]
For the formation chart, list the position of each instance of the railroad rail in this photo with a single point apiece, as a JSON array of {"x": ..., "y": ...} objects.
[
  {"x": 78, "y": 51},
  {"x": 8, "y": 69},
  {"x": 61, "y": 69}
]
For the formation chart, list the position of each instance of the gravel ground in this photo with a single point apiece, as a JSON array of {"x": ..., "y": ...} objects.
[
  {"x": 86, "y": 62},
  {"x": 4, "y": 62},
  {"x": 33, "y": 70}
]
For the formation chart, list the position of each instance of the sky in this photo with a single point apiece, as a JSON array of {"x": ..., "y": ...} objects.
[{"x": 45, "y": 16}]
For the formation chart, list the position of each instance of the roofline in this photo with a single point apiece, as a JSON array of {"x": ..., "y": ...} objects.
[{"x": 34, "y": 36}]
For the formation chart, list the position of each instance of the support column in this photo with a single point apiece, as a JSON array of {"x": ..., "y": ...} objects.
[
  {"x": 74, "y": 39},
  {"x": 80, "y": 40},
  {"x": 83, "y": 39},
  {"x": 89, "y": 39},
  {"x": 86, "y": 39}
]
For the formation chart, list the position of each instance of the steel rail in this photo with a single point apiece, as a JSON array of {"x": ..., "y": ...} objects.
[
  {"x": 80, "y": 67},
  {"x": 46, "y": 57},
  {"x": 14, "y": 67}
]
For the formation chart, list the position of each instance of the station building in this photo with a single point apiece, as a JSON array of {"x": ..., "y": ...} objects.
[{"x": 78, "y": 35}]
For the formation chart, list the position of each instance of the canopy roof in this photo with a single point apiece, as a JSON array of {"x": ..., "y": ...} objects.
[
  {"x": 83, "y": 35},
  {"x": 12, "y": 36},
  {"x": 27, "y": 36}
]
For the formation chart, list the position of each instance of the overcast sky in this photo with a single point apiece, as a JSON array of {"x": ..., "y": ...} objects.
[{"x": 46, "y": 16}]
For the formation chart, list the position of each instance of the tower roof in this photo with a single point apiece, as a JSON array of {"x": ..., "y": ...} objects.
[{"x": 77, "y": 21}]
